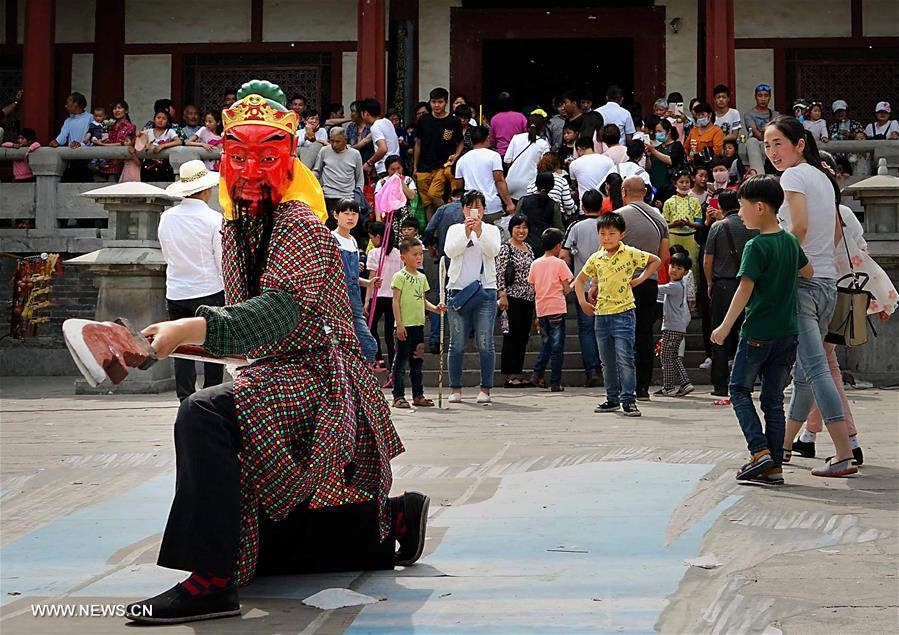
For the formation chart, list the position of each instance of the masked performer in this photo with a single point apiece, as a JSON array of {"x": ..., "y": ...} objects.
[{"x": 287, "y": 468}]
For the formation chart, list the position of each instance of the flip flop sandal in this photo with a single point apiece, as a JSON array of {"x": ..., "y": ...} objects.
[
  {"x": 788, "y": 454},
  {"x": 422, "y": 402},
  {"x": 401, "y": 403}
]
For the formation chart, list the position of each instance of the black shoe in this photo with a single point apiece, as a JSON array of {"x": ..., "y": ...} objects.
[
  {"x": 643, "y": 395},
  {"x": 804, "y": 448},
  {"x": 720, "y": 393},
  {"x": 607, "y": 406},
  {"x": 859, "y": 456},
  {"x": 631, "y": 410},
  {"x": 592, "y": 380},
  {"x": 758, "y": 463},
  {"x": 178, "y": 605},
  {"x": 557, "y": 388},
  {"x": 435, "y": 349},
  {"x": 412, "y": 542}
]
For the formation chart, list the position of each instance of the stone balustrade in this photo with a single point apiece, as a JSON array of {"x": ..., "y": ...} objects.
[{"x": 49, "y": 215}]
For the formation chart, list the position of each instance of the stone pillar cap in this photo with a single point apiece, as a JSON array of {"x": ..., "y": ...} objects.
[
  {"x": 133, "y": 189},
  {"x": 879, "y": 183}
]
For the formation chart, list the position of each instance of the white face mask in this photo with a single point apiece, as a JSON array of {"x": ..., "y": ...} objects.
[
  {"x": 683, "y": 191},
  {"x": 721, "y": 177}
]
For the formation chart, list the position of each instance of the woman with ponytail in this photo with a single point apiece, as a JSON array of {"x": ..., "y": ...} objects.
[
  {"x": 524, "y": 153},
  {"x": 810, "y": 212}
]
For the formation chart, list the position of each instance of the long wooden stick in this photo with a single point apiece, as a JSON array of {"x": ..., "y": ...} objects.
[{"x": 441, "y": 271}]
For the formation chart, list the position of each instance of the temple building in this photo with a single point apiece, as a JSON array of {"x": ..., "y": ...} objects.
[{"x": 397, "y": 50}]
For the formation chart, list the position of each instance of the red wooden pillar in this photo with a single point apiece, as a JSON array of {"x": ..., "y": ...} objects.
[
  {"x": 37, "y": 68},
  {"x": 371, "y": 51},
  {"x": 108, "y": 84},
  {"x": 719, "y": 46}
]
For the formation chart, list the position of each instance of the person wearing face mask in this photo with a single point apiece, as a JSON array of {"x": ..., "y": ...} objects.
[
  {"x": 666, "y": 154},
  {"x": 720, "y": 175},
  {"x": 706, "y": 140}
]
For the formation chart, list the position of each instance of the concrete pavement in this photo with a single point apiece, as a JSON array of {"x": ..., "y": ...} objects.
[{"x": 545, "y": 518}]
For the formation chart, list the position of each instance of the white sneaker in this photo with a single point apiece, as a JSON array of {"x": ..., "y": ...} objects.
[
  {"x": 483, "y": 398},
  {"x": 707, "y": 364},
  {"x": 455, "y": 397}
]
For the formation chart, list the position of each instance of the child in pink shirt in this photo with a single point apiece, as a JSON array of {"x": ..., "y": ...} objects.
[
  {"x": 21, "y": 171},
  {"x": 551, "y": 278}
]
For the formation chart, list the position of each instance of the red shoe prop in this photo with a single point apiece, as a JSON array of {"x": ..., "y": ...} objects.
[{"x": 106, "y": 350}]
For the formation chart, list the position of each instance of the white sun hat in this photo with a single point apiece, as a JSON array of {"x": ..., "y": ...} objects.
[{"x": 193, "y": 177}]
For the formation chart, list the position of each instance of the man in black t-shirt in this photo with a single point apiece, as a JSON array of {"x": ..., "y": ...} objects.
[{"x": 438, "y": 141}]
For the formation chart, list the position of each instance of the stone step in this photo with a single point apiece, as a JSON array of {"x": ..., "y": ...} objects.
[
  {"x": 570, "y": 377},
  {"x": 570, "y": 359}
]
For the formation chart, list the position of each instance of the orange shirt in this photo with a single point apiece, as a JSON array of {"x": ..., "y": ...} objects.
[{"x": 713, "y": 137}]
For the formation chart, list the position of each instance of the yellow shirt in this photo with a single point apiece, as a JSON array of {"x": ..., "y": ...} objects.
[
  {"x": 613, "y": 277},
  {"x": 682, "y": 208}
]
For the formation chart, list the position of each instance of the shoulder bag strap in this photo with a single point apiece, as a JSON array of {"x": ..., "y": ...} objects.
[
  {"x": 731, "y": 243},
  {"x": 650, "y": 219}
]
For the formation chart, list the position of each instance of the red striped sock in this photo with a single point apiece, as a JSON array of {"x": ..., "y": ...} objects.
[{"x": 204, "y": 583}]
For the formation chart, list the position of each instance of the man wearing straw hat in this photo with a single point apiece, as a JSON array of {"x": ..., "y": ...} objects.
[{"x": 190, "y": 235}]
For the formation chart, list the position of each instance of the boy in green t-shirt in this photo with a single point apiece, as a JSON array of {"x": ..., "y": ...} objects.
[
  {"x": 768, "y": 338},
  {"x": 409, "y": 304}
]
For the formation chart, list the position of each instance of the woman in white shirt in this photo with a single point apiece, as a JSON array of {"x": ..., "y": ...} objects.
[
  {"x": 852, "y": 245},
  {"x": 472, "y": 247},
  {"x": 522, "y": 156},
  {"x": 810, "y": 212}
]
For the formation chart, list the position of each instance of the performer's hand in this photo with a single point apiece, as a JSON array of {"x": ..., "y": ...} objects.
[
  {"x": 586, "y": 308},
  {"x": 401, "y": 333},
  {"x": 441, "y": 309},
  {"x": 592, "y": 294},
  {"x": 167, "y": 336},
  {"x": 503, "y": 303},
  {"x": 377, "y": 281},
  {"x": 74, "y": 145}
]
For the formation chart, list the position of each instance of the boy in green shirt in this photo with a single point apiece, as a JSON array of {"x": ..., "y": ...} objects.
[
  {"x": 768, "y": 337},
  {"x": 409, "y": 304}
]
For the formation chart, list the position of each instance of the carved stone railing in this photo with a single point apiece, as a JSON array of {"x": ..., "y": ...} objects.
[{"x": 53, "y": 217}]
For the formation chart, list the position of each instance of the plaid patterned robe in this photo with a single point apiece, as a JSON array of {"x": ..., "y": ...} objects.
[{"x": 313, "y": 419}]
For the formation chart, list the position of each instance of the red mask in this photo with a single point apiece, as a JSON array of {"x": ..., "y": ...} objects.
[{"x": 257, "y": 164}]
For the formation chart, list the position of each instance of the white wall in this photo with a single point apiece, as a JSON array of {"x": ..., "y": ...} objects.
[
  {"x": 197, "y": 21},
  {"x": 307, "y": 21},
  {"x": 753, "y": 67},
  {"x": 82, "y": 77},
  {"x": 348, "y": 83},
  {"x": 680, "y": 47},
  {"x": 434, "y": 44},
  {"x": 75, "y": 21},
  {"x": 780, "y": 18},
  {"x": 880, "y": 18},
  {"x": 147, "y": 78}
]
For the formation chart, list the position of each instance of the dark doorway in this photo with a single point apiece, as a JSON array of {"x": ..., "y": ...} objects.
[{"x": 536, "y": 70}]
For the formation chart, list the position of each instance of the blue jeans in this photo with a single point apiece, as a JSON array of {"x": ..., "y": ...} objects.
[
  {"x": 615, "y": 341},
  {"x": 772, "y": 359},
  {"x": 552, "y": 330},
  {"x": 360, "y": 325},
  {"x": 587, "y": 337},
  {"x": 812, "y": 381},
  {"x": 409, "y": 351},
  {"x": 460, "y": 324}
]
